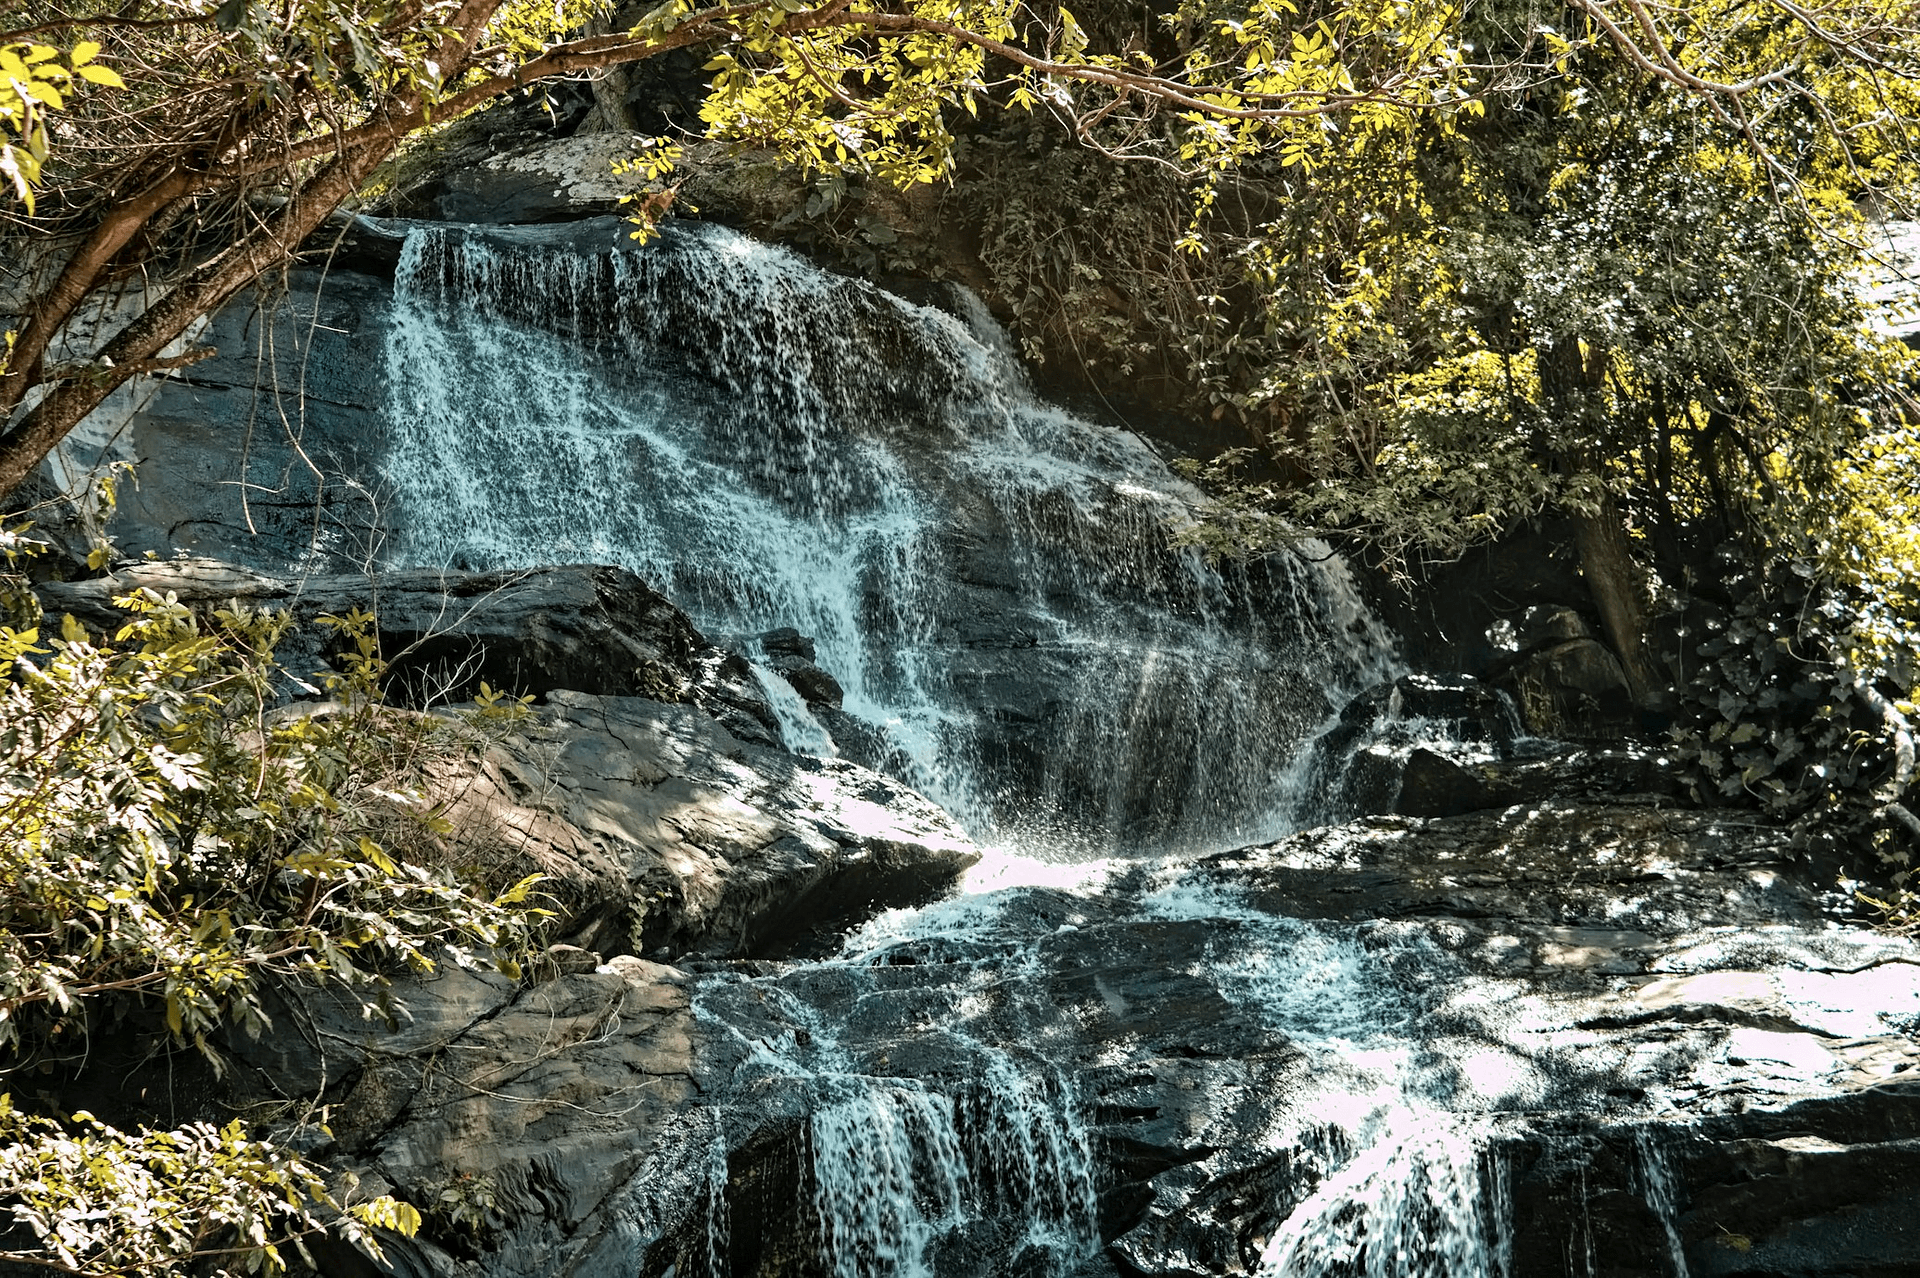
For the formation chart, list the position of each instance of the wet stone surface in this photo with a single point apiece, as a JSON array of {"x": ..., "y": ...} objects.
[{"x": 1575, "y": 1039}]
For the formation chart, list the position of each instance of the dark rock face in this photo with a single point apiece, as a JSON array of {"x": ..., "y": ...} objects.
[
  {"x": 658, "y": 805},
  {"x": 1518, "y": 615},
  {"x": 1618, "y": 1024},
  {"x": 815, "y": 686},
  {"x": 1459, "y": 707},
  {"x": 787, "y": 642},
  {"x": 1430, "y": 746},
  {"x": 1548, "y": 626},
  {"x": 1436, "y": 784},
  {"x": 1574, "y": 691},
  {"x": 1824, "y": 1187},
  {"x": 591, "y": 629},
  {"x": 1450, "y": 615},
  {"x": 1003, "y": 616},
  {"x": 1379, "y": 751},
  {"x": 1432, "y": 785}
]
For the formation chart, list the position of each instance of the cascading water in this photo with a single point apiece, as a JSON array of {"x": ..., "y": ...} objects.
[
  {"x": 995, "y": 583},
  {"x": 1407, "y": 1187},
  {"x": 1519, "y": 1043},
  {"x": 998, "y": 587},
  {"x": 901, "y": 1168},
  {"x": 1657, "y": 1183}
]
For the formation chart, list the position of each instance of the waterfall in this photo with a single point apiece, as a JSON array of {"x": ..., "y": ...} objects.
[
  {"x": 878, "y": 1153},
  {"x": 997, "y": 584},
  {"x": 1408, "y": 1184},
  {"x": 1657, "y": 1187},
  {"x": 901, "y": 1167},
  {"x": 1412, "y": 1203},
  {"x": 800, "y": 731},
  {"x": 1001, "y": 591},
  {"x": 717, "y": 1230}
]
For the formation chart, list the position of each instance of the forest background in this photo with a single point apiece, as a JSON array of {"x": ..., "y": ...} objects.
[{"x": 1438, "y": 269}]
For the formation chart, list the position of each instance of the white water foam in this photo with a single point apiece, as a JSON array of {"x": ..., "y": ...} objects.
[
  {"x": 879, "y": 1154},
  {"x": 1413, "y": 1202},
  {"x": 1409, "y": 1187},
  {"x": 898, "y": 1166}
]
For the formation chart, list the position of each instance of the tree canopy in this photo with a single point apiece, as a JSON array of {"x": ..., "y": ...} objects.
[{"x": 181, "y": 147}]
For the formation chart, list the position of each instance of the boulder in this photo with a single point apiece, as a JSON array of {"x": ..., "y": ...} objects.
[
  {"x": 1574, "y": 691},
  {"x": 787, "y": 642},
  {"x": 1432, "y": 785},
  {"x": 1567, "y": 685},
  {"x": 815, "y": 686},
  {"x": 1458, "y": 707},
  {"x": 1359, "y": 764},
  {"x": 1549, "y": 625},
  {"x": 661, "y": 832}
]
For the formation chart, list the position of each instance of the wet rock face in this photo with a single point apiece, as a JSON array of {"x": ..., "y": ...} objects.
[
  {"x": 1003, "y": 615},
  {"x": 659, "y": 806},
  {"x": 1566, "y": 684},
  {"x": 520, "y": 1125},
  {"x": 1574, "y": 1038},
  {"x": 1436, "y": 746},
  {"x": 1378, "y": 758},
  {"x": 1574, "y": 690}
]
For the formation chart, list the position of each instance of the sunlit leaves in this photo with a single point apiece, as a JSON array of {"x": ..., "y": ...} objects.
[
  {"x": 159, "y": 842},
  {"x": 104, "y": 1202},
  {"x": 166, "y": 843},
  {"x": 848, "y": 98},
  {"x": 34, "y": 80}
]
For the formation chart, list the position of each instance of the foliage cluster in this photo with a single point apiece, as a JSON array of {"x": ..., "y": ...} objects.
[
  {"x": 1784, "y": 683},
  {"x": 170, "y": 845},
  {"x": 1085, "y": 254},
  {"x": 243, "y": 126},
  {"x": 199, "y": 1199},
  {"x": 1589, "y": 291},
  {"x": 34, "y": 80}
]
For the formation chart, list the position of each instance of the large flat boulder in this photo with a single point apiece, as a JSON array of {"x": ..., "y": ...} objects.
[{"x": 661, "y": 832}]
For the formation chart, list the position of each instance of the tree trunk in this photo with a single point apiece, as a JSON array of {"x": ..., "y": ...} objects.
[
  {"x": 1572, "y": 375},
  {"x": 137, "y": 348},
  {"x": 1609, "y": 570}
]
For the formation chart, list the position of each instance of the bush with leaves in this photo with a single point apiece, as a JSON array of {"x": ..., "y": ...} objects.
[
  {"x": 200, "y": 1199},
  {"x": 169, "y": 844},
  {"x": 1793, "y": 691}
]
